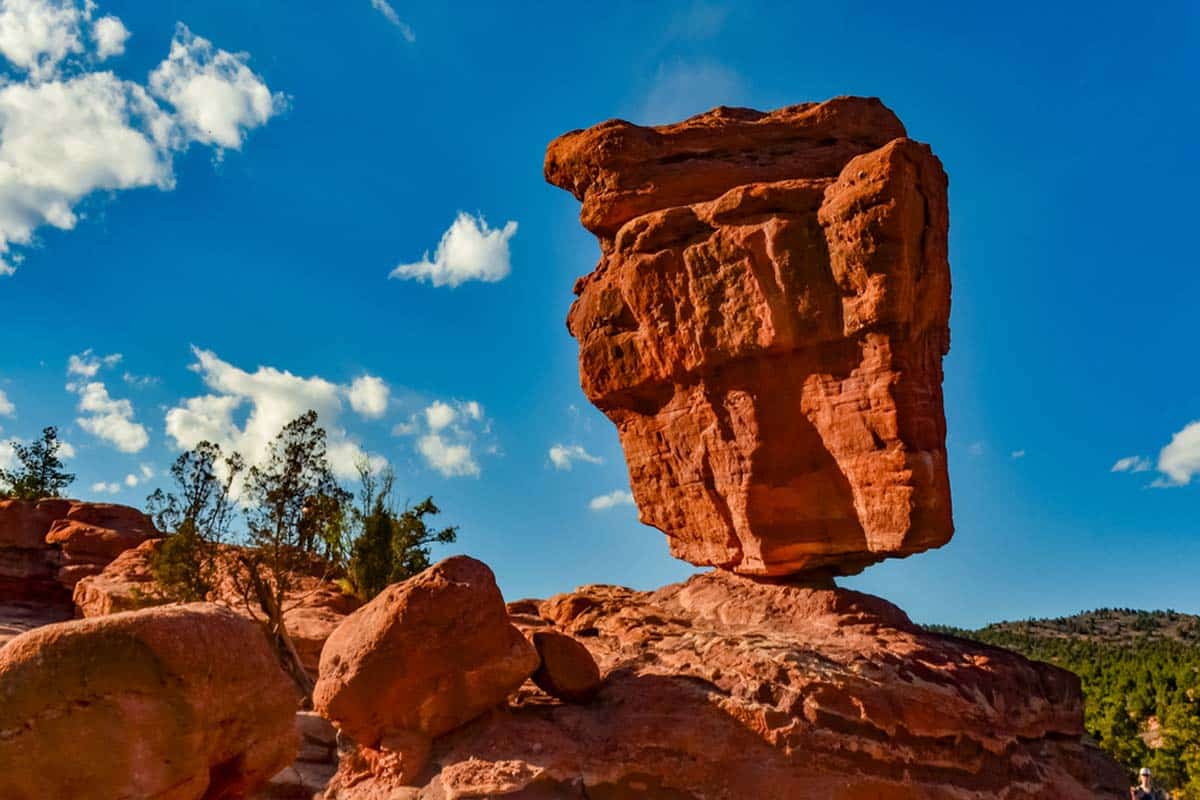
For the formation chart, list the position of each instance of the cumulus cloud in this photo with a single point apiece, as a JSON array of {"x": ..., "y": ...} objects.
[
  {"x": 68, "y": 131},
  {"x": 7, "y": 409},
  {"x": 109, "y": 34},
  {"x": 469, "y": 251},
  {"x": 110, "y": 419},
  {"x": 445, "y": 434},
  {"x": 564, "y": 456},
  {"x": 8, "y": 456},
  {"x": 102, "y": 415},
  {"x": 102, "y": 487},
  {"x": 389, "y": 13},
  {"x": 145, "y": 472},
  {"x": 1132, "y": 464},
  {"x": 87, "y": 363},
  {"x": 271, "y": 399},
  {"x": 1179, "y": 461},
  {"x": 217, "y": 97},
  {"x": 368, "y": 396},
  {"x": 620, "y": 497}
]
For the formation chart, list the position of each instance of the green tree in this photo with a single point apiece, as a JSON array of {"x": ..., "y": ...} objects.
[
  {"x": 196, "y": 518},
  {"x": 390, "y": 545},
  {"x": 40, "y": 471},
  {"x": 295, "y": 517}
]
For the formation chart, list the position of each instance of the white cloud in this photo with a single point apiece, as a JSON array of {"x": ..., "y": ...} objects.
[
  {"x": 110, "y": 419},
  {"x": 1015, "y": 454},
  {"x": 87, "y": 363},
  {"x": 445, "y": 434},
  {"x": 1179, "y": 461},
  {"x": 145, "y": 472},
  {"x": 7, "y": 409},
  {"x": 8, "y": 456},
  {"x": 564, "y": 456},
  {"x": 139, "y": 381},
  {"x": 65, "y": 449},
  {"x": 469, "y": 251},
  {"x": 109, "y": 34},
  {"x": 274, "y": 398},
  {"x": 36, "y": 35},
  {"x": 682, "y": 89},
  {"x": 620, "y": 497},
  {"x": 216, "y": 96},
  {"x": 106, "y": 488},
  {"x": 389, "y": 13},
  {"x": 1131, "y": 464},
  {"x": 368, "y": 396},
  {"x": 68, "y": 131}
]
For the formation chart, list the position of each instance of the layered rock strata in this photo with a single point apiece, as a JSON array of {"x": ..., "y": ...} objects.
[{"x": 766, "y": 328}]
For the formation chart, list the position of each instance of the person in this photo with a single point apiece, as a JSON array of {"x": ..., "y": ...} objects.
[{"x": 1145, "y": 790}]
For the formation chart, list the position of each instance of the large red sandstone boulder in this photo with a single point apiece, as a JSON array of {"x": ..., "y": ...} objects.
[
  {"x": 312, "y": 610},
  {"x": 175, "y": 703},
  {"x": 766, "y": 329},
  {"x": 566, "y": 669},
  {"x": 727, "y": 688},
  {"x": 424, "y": 657}
]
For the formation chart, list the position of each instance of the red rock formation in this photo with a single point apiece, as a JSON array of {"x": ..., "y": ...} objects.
[
  {"x": 314, "y": 608},
  {"x": 47, "y": 546},
  {"x": 424, "y": 657},
  {"x": 175, "y": 703},
  {"x": 766, "y": 327},
  {"x": 728, "y": 688}
]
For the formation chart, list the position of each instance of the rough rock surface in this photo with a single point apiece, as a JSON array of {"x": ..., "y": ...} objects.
[
  {"x": 766, "y": 328},
  {"x": 174, "y": 703},
  {"x": 47, "y": 546},
  {"x": 726, "y": 688},
  {"x": 424, "y": 657},
  {"x": 313, "y": 610}
]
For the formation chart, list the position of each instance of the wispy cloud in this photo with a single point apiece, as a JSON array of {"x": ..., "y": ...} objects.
[
  {"x": 682, "y": 89},
  {"x": 564, "y": 456},
  {"x": 1016, "y": 454},
  {"x": 620, "y": 497},
  {"x": 389, "y": 13},
  {"x": 1131, "y": 464}
]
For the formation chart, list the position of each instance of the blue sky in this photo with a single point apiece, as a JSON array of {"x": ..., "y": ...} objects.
[{"x": 240, "y": 188}]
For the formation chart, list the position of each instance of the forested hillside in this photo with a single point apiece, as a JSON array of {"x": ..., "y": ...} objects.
[{"x": 1141, "y": 681}]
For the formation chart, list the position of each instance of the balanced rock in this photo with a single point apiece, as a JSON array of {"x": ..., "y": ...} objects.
[
  {"x": 173, "y": 703},
  {"x": 766, "y": 328},
  {"x": 567, "y": 670},
  {"x": 424, "y": 657},
  {"x": 727, "y": 687}
]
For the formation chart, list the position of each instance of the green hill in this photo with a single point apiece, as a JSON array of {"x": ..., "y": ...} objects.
[{"x": 1141, "y": 682}]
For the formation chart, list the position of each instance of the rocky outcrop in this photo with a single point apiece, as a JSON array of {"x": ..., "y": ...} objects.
[
  {"x": 727, "y": 688},
  {"x": 314, "y": 608},
  {"x": 421, "y": 659},
  {"x": 766, "y": 328},
  {"x": 48, "y": 546},
  {"x": 173, "y": 703}
]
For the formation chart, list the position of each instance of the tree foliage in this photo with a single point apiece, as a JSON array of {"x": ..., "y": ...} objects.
[
  {"x": 197, "y": 517},
  {"x": 1140, "y": 673},
  {"x": 40, "y": 469},
  {"x": 391, "y": 545}
]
